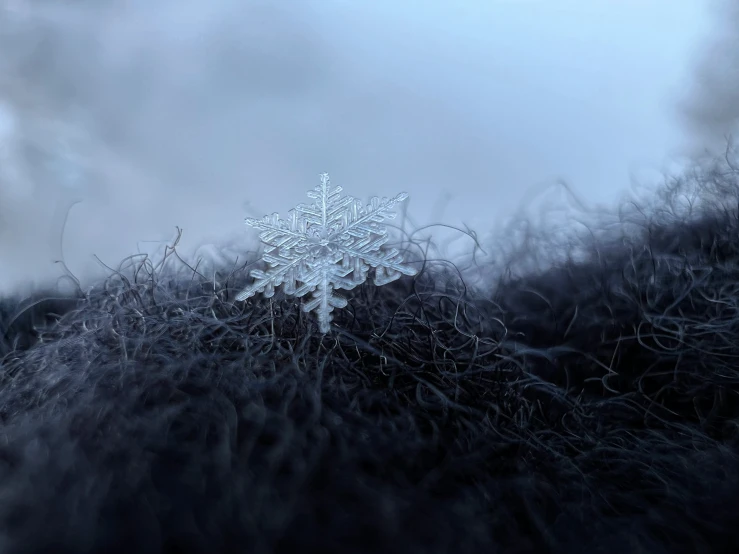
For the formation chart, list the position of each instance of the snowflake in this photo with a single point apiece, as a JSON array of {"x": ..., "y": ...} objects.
[{"x": 325, "y": 246}]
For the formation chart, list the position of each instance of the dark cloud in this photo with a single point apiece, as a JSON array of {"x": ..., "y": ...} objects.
[{"x": 711, "y": 108}]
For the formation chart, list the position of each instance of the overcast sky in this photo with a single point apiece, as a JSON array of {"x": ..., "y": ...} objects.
[{"x": 193, "y": 113}]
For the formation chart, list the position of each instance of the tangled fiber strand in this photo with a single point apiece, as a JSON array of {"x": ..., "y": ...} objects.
[{"x": 588, "y": 407}]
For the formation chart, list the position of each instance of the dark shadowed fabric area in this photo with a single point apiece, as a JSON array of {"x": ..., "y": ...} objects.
[{"x": 588, "y": 407}]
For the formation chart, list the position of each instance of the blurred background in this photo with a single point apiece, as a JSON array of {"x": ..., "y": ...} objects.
[{"x": 121, "y": 119}]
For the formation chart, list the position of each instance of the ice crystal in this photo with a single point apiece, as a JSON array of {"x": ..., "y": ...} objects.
[{"x": 324, "y": 246}]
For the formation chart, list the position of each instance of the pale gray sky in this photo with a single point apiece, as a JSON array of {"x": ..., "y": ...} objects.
[{"x": 197, "y": 110}]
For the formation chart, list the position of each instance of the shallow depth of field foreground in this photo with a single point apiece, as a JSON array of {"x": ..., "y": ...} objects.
[{"x": 587, "y": 407}]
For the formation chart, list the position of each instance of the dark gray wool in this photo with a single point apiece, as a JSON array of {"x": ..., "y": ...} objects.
[{"x": 587, "y": 407}]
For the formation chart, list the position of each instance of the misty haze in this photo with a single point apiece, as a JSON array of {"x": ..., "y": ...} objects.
[{"x": 132, "y": 118}]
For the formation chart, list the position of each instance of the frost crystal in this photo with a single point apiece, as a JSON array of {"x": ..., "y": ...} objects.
[{"x": 325, "y": 246}]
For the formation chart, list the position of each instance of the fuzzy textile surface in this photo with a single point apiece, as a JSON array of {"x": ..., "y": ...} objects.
[{"x": 590, "y": 407}]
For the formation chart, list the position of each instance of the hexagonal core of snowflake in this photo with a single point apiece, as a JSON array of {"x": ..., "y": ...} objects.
[{"x": 323, "y": 247}]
